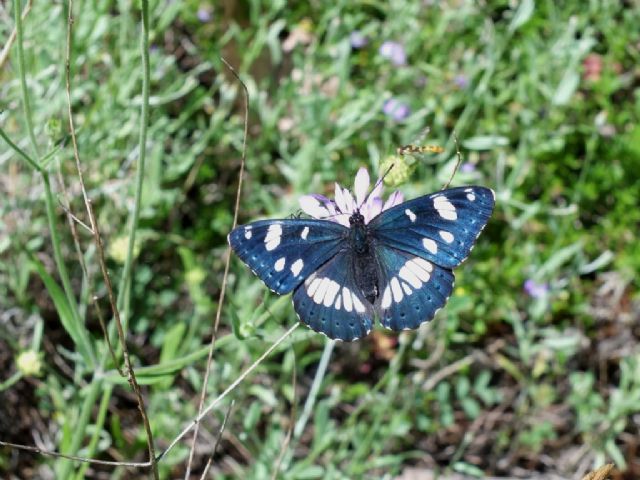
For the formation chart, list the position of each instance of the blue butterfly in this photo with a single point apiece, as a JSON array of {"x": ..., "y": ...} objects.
[{"x": 396, "y": 266}]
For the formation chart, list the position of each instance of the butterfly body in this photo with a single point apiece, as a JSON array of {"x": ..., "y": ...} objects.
[
  {"x": 397, "y": 267},
  {"x": 362, "y": 257}
]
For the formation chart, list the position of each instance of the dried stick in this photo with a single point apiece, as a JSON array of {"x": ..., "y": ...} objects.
[
  {"x": 223, "y": 288},
  {"x": 218, "y": 438},
  {"x": 292, "y": 418},
  {"x": 229, "y": 389},
  {"x": 12, "y": 38},
  {"x": 98, "y": 240}
]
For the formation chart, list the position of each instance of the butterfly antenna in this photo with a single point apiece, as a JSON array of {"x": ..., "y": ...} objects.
[
  {"x": 458, "y": 162},
  {"x": 378, "y": 182}
]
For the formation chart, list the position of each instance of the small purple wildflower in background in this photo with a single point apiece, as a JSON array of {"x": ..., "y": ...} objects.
[
  {"x": 535, "y": 289},
  {"x": 344, "y": 205},
  {"x": 461, "y": 81},
  {"x": 393, "y": 51},
  {"x": 204, "y": 14},
  {"x": 357, "y": 39},
  {"x": 396, "y": 109},
  {"x": 467, "y": 167}
]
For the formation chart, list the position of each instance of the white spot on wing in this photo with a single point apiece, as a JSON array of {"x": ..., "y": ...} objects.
[
  {"x": 419, "y": 270},
  {"x": 445, "y": 208},
  {"x": 396, "y": 290},
  {"x": 338, "y": 301},
  {"x": 272, "y": 239},
  {"x": 346, "y": 297},
  {"x": 430, "y": 245},
  {"x": 279, "y": 265},
  {"x": 357, "y": 303},
  {"x": 332, "y": 289},
  {"x": 296, "y": 267},
  {"x": 446, "y": 236},
  {"x": 313, "y": 286},
  {"x": 407, "y": 275},
  {"x": 471, "y": 197},
  {"x": 247, "y": 232},
  {"x": 322, "y": 290},
  {"x": 406, "y": 288},
  {"x": 424, "y": 264},
  {"x": 305, "y": 232},
  {"x": 386, "y": 298},
  {"x": 411, "y": 215}
]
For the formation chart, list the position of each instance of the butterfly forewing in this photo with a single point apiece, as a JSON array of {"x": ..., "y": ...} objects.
[
  {"x": 441, "y": 227},
  {"x": 412, "y": 289},
  {"x": 330, "y": 302},
  {"x": 285, "y": 252}
]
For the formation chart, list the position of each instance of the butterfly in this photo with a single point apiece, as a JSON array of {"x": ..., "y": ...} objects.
[{"x": 396, "y": 266}]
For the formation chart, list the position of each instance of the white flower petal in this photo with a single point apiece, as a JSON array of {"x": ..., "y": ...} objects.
[
  {"x": 396, "y": 198},
  {"x": 349, "y": 202},
  {"x": 312, "y": 206},
  {"x": 342, "y": 219},
  {"x": 361, "y": 185},
  {"x": 339, "y": 198},
  {"x": 372, "y": 209}
]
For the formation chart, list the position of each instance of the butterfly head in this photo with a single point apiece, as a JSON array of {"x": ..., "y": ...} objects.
[{"x": 356, "y": 218}]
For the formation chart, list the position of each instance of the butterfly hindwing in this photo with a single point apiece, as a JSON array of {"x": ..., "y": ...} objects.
[
  {"x": 441, "y": 227},
  {"x": 329, "y": 301},
  {"x": 285, "y": 252},
  {"x": 412, "y": 289}
]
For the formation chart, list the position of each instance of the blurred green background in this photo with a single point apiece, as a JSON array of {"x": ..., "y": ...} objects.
[{"x": 531, "y": 371}]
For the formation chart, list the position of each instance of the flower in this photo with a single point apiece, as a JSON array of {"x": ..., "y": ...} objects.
[
  {"x": 393, "y": 51},
  {"x": 592, "y": 66},
  {"x": 399, "y": 167},
  {"x": 461, "y": 81},
  {"x": 535, "y": 289},
  {"x": 29, "y": 363},
  {"x": 204, "y": 14},
  {"x": 345, "y": 205},
  {"x": 396, "y": 109},
  {"x": 358, "y": 40},
  {"x": 467, "y": 167}
]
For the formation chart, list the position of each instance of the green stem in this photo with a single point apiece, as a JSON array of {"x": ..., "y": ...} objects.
[
  {"x": 63, "y": 467},
  {"x": 125, "y": 283},
  {"x": 32, "y": 163},
  {"x": 315, "y": 388},
  {"x": 93, "y": 443},
  {"x": 23, "y": 80},
  {"x": 62, "y": 270}
]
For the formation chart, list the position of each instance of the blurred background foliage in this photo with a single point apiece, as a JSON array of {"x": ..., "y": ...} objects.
[{"x": 532, "y": 369}]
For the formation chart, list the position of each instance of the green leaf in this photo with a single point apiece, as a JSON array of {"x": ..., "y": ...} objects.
[
  {"x": 522, "y": 15},
  {"x": 567, "y": 87},
  {"x": 76, "y": 330},
  {"x": 170, "y": 347},
  {"x": 485, "y": 142}
]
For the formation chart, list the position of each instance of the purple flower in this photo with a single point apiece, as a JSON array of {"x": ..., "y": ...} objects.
[
  {"x": 204, "y": 14},
  {"x": 344, "y": 205},
  {"x": 461, "y": 81},
  {"x": 467, "y": 167},
  {"x": 357, "y": 39},
  {"x": 393, "y": 51},
  {"x": 535, "y": 289},
  {"x": 396, "y": 109}
]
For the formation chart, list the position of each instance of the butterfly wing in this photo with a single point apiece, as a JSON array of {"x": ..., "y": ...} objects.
[
  {"x": 441, "y": 227},
  {"x": 418, "y": 243},
  {"x": 330, "y": 302},
  {"x": 282, "y": 253},
  {"x": 412, "y": 289}
]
